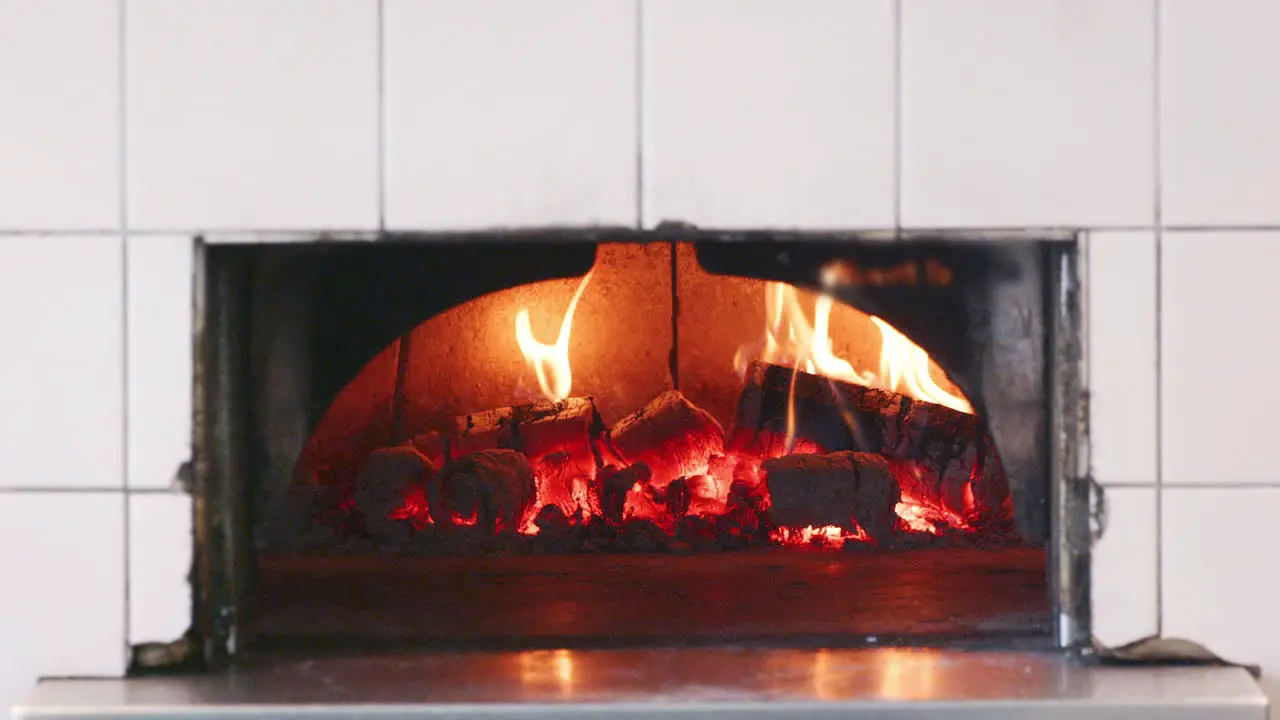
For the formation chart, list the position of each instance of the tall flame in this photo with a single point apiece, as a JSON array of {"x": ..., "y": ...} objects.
[
  {"x": 550, "y": 362},
  {"x": 791, "y": 341},
  {"x": 904, "y": 368}
]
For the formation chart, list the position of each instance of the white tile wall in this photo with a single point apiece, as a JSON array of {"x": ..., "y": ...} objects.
[
  {"x": 549, "y": 86},
  {"x": 1220, "y": 296},
  {"x": 160, "y": 553},
  {"x": 1220, "y": 584},
  {"x": 59, "y": 159},
  {"x": 1219, "y": 111},
  {"x": 62, "y": 317},
  {"x": 63, "y": 609},
  {"x": 161, "y": 343},
  {"x": 1047, "y": 120},
  {"x": 1121, "y": 321},
  {"x": 303, "y": 114},
  {"x": 245, "y": 114},
  {"x": 1125, "y": 580},
  {"x": 768, "y": 113}
]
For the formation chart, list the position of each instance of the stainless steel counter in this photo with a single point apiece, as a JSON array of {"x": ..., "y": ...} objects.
[{"x": 689, "y": 683}]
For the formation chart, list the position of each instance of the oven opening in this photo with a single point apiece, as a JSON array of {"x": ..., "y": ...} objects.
[{"x": 557, "y": 441}]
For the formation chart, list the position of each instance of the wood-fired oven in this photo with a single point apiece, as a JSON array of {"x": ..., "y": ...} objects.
[{"x": 568, "y": 439}]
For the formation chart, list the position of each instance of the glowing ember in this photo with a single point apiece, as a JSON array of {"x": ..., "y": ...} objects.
[
  {"x": 466, "y": 520},
  {"x": 827, "y": 536},
  {"x": 668, "y": 478},
  {"x": 414, "y": 510},
  {"x": 550, "y": 362},
  {"x": 915, "y": 518}
]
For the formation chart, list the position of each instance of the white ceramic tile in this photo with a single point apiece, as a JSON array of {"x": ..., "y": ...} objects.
[
  {"x": 160, "y": 358},
  {"x": 59, "y": 114},
  {"x": 1027, "y": 112},
  {"x": 769, "y": 113},
  {"x": 506, "y": 113},
  {"x": 1124, "y": 561},
  {"x": 1121, "y": 288},
  {"x": 250, "y": 114},
  {"x": 63, "y": 609},
  {"x": 61, "y": 372},
  {"x": 1220, "y": 156},
  {"x": 1220, "y": 585},
  {"x": 160, "y": 552},
  {"x": 1270, "y": 684},
  {"x": 1220, "y": 303}
]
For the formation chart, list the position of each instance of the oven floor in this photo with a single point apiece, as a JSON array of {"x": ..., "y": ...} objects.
[
  {"x": 690, "y": 684},
  {"x": 310, "y": 604}
]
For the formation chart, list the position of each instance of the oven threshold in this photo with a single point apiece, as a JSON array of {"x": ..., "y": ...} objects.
[{"x": 685, "y": 683}]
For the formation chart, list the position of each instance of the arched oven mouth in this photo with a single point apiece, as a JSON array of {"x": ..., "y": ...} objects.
[{"x": 614, "y": 438}]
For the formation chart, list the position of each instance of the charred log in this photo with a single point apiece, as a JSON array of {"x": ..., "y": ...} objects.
[
  {"x": 491, "y": 490},
  {"x": 638, "y": 535},
  {"x": 945, "y": 448},
  {"x": 846, "y": 489},
  {"x": 536, "y": 429},
  {"x": 556, "y": 532},
  {"x": 561, "y": 440},
  {"x": 613, "y": 485},
  {"x": 390, "y": 492},
  {"x": 678, "y": 497},
  {"x": 671, "y": 435},
  {"x": 433, "y": 446}
]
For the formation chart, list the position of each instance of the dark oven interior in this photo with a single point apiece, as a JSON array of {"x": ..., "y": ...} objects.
[{"x": 579, "y": 439}]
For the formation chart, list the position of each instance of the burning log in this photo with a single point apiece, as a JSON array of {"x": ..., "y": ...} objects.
[
  {"x": 556, "y": 533},
  {"x": 614, "y": 484},
  {"x": 846, "y": 489},
  {"x": 433, "y": 446},
  {"x": 671, "y": 435},
  {"x": 639, "y": 535},
  {"x": 536, "y": 429},
  {"x": 391, "y": 480},
  {"x": 678, "y": 498},
  {"x": 708, "y": 494},
  {"x": 559, "y": 438},
  {"x": 492, "y": 490},
  {"x": 947, "y": 448}
]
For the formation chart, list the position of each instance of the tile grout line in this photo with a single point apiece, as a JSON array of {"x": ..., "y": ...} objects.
[
  {"x": 27, "y": 490},
  {"x": 102, "y": 490},
  {"x": 216, "y": 234},
  {"x": 122, "y": 97},
  {"x": 639, "y": 114},
  {"x": 381, "y": 85},
  {"x": 899, "y": 146},
  {"x": 1158, "y": 211}
]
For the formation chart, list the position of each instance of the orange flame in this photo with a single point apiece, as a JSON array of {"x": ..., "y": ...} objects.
[
  {"x": 550, "y": 362},
  {"x": 904, "y": 368},
  {"x": 791, "y": 341}
]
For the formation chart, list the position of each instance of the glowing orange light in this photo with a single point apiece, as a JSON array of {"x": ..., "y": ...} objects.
[
  {"x": 549, "y": 670},
  {"x": 550, "y": 362},
  {"x": 906, "y": 674}
]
